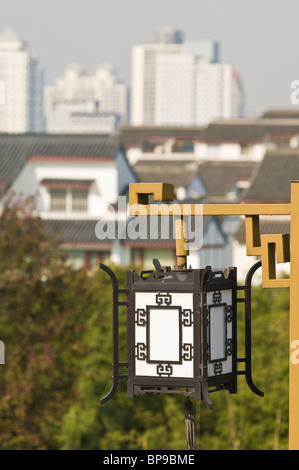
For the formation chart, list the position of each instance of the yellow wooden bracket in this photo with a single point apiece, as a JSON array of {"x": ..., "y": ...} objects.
[
  {"x": 271, "y": 248},
  {"x": 139, "y": 192}
]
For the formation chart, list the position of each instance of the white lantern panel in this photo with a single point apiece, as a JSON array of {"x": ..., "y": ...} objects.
[
  {"x": 223, "y": 296},
  {"x": 164, "y": 335},
  {"x": 217, "y": 333},
  {"x": 220, "y": 332}
]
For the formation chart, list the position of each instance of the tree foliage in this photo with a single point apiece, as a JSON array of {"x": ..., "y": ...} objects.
[
  {"x": 41, "y": 324},
  {"x": 57, "y": 328}
]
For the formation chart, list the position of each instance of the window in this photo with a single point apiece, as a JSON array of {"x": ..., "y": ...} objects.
[
  {"x": 70, "y": 200},
  {"x": 79, "y": 200},
  {"x": 58, "y": 200}
]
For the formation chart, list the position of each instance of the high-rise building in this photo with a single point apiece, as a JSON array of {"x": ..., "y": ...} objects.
[
  {"x": 22, "y": 80},
  {"x": 193, "y": 92},
  {"x": 168, "y": 35},
  {"x": 78, "y": 102},
  {"x": 218, "y": 93},
  {"x": 174, "y": 97},
  {"x": 176, "y": 83},
  {"x": 143, "y": 79},
  {"x": 203, "y": 49}
]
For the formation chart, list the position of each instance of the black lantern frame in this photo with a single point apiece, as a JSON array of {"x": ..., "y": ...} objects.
[
  {"x": 163, "y": 288},
  {"x": 200, "y": 357}
]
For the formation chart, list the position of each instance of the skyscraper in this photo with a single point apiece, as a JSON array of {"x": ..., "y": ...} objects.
[
  {"x": 22, "y": 80},
  {"x": 168, "y": 35},
  {"x": 194, "y": 92},
  {"x": 175, "y": 86},
  {"x": 182, "y": 83},
  {"x": 78, "y": 102},
  {"x": 218, "y": 93},
  {"x": 143, "y": 79}
]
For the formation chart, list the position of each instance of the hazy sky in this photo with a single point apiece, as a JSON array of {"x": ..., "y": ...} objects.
[{"x": 259, "y": 37}]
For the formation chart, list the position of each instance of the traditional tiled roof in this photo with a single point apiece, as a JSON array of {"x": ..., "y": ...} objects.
[
  {"x": 16, "y": 149},
  {"x": 179, "y": 173},
  {"x": 137, "y": 135},
  {"x": 150, "y": 232},
  {"x": 243, "y": 130},
  {"x": 271, "y": 181},
  {"x": 220, "y": 177},
  {"x": 159, "y": 232},
  {"x": 238, "y": 130},
  {"x": 66, "y": 183},
  {"x": 60, "y": 145},
  {"x": 76, "y": 232},
  {"x": 11, "y": 164},
  {"x": 281, "y": 114},
  {"x": 217, "y": 177}
]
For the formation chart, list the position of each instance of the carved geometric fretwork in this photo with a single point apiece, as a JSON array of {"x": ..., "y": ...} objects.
[
  {"x": 271, "y": 244},
  {"x": 187, "y": 317},
  {"x": 271, "y": 247},
  {"x": 141, "y": 317},
  {"x": 266, "y": 246},
  {"x": 187, "y": 351},
  {"x": 141, "y": 351},
  {"x": 253, "y": 238},
  {"x": 164, "y": 370},
  {"x": 163, "y": 299}
]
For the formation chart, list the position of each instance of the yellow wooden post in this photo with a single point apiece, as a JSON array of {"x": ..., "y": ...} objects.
[
  {"x": 181, "y": 240},
  {"x": 294, "y": 322}
]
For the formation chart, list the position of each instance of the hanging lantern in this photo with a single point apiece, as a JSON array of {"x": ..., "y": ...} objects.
[{"x": 181, "y": 332}]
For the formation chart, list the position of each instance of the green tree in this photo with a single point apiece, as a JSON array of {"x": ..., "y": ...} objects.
[{"x": 41, "y": 324}]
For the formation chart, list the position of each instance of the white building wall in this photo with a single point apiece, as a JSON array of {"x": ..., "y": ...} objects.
[
  {"x": 137, "y": 85},
  {"x": 203, "y": 151},
  {"x": 22, "y": 77},
  {"x": 15, "y": 113},
  {"x": 170, "y": 85},
  {"x": 174, "y": 99},
  {"x": 228, "y": 92},
  {"x": 103, "y": 192},
  {"x": 143, "y": 79},
  {"x": 102, "y": 98},
  {"x": 79, "y": 117},
  {"x": 258, "y": 151},
  {"x": 215, "y": 93}
]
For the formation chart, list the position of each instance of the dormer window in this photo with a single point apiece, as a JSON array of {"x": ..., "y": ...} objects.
[
  {"x": 68, "y": 195},
  {"x": 57, "y": 200},
  {"x": 79, "y": 200}
]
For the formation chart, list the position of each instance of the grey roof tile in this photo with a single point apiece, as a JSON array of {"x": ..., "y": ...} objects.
[
  {"x": 75, "y": 232},
  {"x": 220, "y": 177},
  {"x": 242, "y": 130},
  {"x": 177, "y": 172},
  {"x": 217, "y": 177},
  {"x": 271, "y": 181},
  {"x": 15, "y": 149}
]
